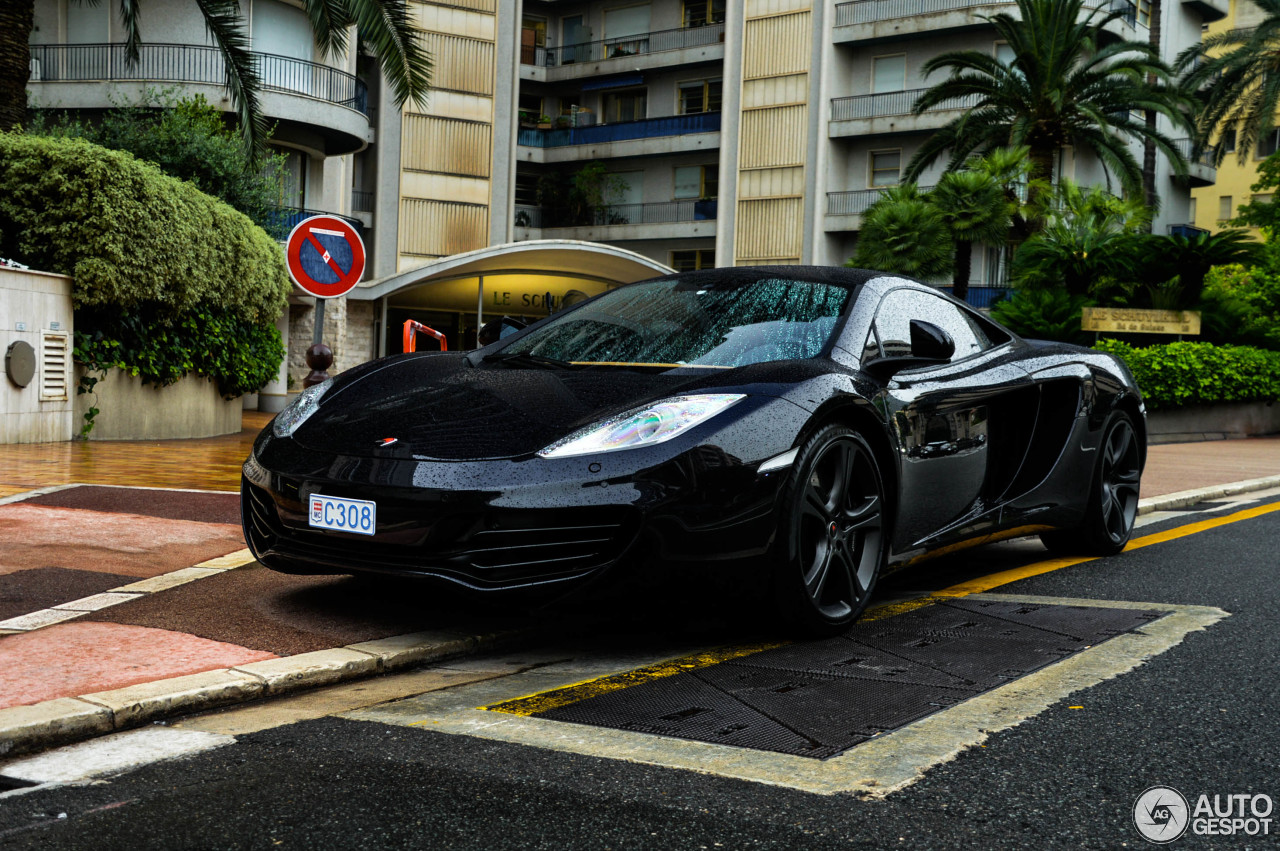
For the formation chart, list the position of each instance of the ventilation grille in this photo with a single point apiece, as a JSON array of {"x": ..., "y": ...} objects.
[{"x": 55, "y": 366}]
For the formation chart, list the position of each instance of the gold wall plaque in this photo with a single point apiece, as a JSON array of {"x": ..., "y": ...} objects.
[{"x": 1134, "y": 321}]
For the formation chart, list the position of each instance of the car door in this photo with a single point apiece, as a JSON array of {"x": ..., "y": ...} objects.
[{"x": 944, "y": 418}]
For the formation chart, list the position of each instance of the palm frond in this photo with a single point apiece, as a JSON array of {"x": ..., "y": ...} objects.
[
  {"x": 385, "y": 27},
  {"x": 226, "y": 28}
]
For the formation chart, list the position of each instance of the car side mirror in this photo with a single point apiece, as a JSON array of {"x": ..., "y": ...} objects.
[
  {"x": 930, "y": 346},
  {"x": 929, "y": 342}
]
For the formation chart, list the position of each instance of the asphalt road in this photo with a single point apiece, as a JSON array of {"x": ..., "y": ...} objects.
[{"x": 1200, "y": 717}]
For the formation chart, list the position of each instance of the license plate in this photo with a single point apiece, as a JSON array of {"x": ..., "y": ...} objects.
[{"x": 343, "y": 515}]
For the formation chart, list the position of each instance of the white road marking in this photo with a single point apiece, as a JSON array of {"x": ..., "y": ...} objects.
[
  {"x": 111, "y": 755},
  {"x": 873, "y": 769}
]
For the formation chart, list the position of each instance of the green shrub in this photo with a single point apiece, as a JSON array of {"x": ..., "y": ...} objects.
[
  {"x": 188, "y": 139},
  {"x": 129, "y": 235},
  {"x": 1043, "y": 314},
  {"x": 1174, "y": 375},
  {"x": 239, "y": 355}
]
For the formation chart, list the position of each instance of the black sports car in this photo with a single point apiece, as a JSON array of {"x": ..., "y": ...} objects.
[{"x": 823, "y": 423}]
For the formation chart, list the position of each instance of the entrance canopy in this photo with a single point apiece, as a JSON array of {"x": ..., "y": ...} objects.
[
  {"x": 524, "y": 280},
  {"x": 557, "y": 258}
]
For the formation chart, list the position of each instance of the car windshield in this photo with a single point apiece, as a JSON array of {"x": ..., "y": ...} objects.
[{"x": 674, "y": 323}]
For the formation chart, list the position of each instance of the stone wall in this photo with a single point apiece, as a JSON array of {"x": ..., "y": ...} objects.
[
  {"x": 1213, "y": 422},
  {"x": 361, "y": 345},
  {"x": 348, "y": 330},
  {"x": 40, "y": 304}
]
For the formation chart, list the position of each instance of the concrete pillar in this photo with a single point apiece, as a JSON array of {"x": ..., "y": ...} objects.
[{"x": 275, "y": 395}]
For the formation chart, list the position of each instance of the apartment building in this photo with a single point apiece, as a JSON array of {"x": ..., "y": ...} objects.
[
  {"x": 664, "y": 133},
  {"x": 1214, "y": 205}
]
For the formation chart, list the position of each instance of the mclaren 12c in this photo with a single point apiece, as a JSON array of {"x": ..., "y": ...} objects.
[{"x": 811, "y": 427}]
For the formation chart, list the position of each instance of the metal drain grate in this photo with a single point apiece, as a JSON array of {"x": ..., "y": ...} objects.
[{"x": 821, "y": 698}]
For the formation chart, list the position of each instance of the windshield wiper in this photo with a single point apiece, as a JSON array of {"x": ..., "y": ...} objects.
[{"x": 529, "y": 359}]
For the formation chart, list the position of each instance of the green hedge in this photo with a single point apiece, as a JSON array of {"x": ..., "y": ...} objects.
[
  {"x": 1175, "y": 375},
  {"x": 130, "y": 235},
  {"x": 240, "y": 356}
]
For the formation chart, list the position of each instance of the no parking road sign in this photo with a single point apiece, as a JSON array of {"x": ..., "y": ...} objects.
[{"x": 325, "y": 256}]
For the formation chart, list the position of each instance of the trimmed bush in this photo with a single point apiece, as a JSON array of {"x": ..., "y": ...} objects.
[
  {"x": 129, "y": 235},
  {"x": 1175, "y": 375}
]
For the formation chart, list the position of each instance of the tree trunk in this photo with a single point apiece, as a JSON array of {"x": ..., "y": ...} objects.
[
  {"x": 964, "y": 262},
  {"x": 16, "y": 20},
  {"x": 1149, "y": 195}
]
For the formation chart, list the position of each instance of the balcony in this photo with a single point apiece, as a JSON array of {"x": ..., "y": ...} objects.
[
  {"x": 677, "y": 133},
  {"x": 282, "y": 220},
  {"x": 660, "y": 220},
  {"x": 885, "y": 20},
  {"x": 845, "y": 209},
  {"x": 325, "y": 100},
  {"x": 660, "y": 49},
  {"x": 890, "y": 112},
  {"x": 1201, "y": 170}
]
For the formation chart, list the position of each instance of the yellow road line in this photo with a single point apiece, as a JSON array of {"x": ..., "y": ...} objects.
[
  {"x": 545, "y": 701},
  {"x": 1004, "y": 577}
]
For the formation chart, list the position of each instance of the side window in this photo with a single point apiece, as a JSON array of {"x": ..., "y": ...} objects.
[{"x": 893, "y": 324}]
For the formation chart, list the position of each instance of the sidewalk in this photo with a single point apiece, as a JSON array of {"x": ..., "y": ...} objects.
[{"x": 120, "y": 605}]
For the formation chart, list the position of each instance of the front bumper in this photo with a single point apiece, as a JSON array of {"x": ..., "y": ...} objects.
[{"x": 492, "y": 526}]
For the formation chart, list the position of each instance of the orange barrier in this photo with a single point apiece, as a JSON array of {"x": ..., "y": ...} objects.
[{"x": 411, "y": 329}]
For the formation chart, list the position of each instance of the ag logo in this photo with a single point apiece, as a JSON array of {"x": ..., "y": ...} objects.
[{"x": 1161, "y": 814}]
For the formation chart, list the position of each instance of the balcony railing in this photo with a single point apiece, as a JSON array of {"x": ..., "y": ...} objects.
[
  {"x": 1185, "y": 147},
  {"x": 671, "y": 125},
  {"x": 890, "y": 103},
  {"x": 188, "y": 63},
  {"x": 659, "y": 213},
  {"x": 870, "y": 11},
  {"x": 361, "y": 200},
  {"x": 856, "y": 202},
  {"x": 282, "y": 220},
  {"x": 617, "y": 48}
]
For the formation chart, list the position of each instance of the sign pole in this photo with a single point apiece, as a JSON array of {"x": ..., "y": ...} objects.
[{"x": 326, "y": 259}]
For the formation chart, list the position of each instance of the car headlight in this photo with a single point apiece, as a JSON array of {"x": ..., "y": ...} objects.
[
  {"x": 647, "y": 426},
  {"x": 300, "y": 409}
]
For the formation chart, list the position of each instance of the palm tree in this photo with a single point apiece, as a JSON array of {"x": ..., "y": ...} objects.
[
  {"x": 1238, "y": 75},
  {"x": 1063, "y": 87},
  {"x": 904, "y": 232},
  {"x": 383, "y": 26},
  {"x": 1189, "y": 259},
  {"x": 974, "y": 209}
]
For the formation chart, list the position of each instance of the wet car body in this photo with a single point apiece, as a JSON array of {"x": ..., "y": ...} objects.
[{"x": 997, "y": 441}]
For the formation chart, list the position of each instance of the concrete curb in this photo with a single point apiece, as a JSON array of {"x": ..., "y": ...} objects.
[
  {"x": 1182, "y": 499},
  {"x": 68, "y": 719}
]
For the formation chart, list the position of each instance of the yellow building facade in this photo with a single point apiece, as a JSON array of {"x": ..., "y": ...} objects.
[{"x": 1213, "y": 207}]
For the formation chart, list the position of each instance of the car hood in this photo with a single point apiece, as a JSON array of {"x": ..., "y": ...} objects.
[{"x": 440, "y": 406}]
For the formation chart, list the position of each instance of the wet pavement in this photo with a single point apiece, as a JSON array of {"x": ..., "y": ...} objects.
[{"x": 78, "y": 617}]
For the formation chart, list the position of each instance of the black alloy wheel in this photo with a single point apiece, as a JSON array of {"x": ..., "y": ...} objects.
[
  {"x": 1113, "y": 500},
  {"x": 835, "y": 541}
]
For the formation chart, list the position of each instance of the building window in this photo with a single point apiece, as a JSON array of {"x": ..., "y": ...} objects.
[
  {"x": 1225, "y": 208},
  {"x": 530, "y": 109},
  {"x": 623, "y": 106},
  {"x": 698, "y": 96},
  {"x": 1268, "y": 144},
  {"x": 886, "y": 167},
  {"x": 1144, "y": 13},
  {"x": 699, "y": 13},
  {"x": 696, "y": 181},
  {"x": 690, "y": 261},
  {"x": 526, "y": 188},
  {"x": 533, "y": 37},
  {"x": 888, "y": 73},
  {"x": 1228, "y": 141},
  {"x": 1264, "y": 198}
]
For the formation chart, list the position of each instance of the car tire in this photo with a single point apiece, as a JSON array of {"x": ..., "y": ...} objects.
[
  {"x": 1113, "y": 495},
  {"x": 832, "y": 539}
]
